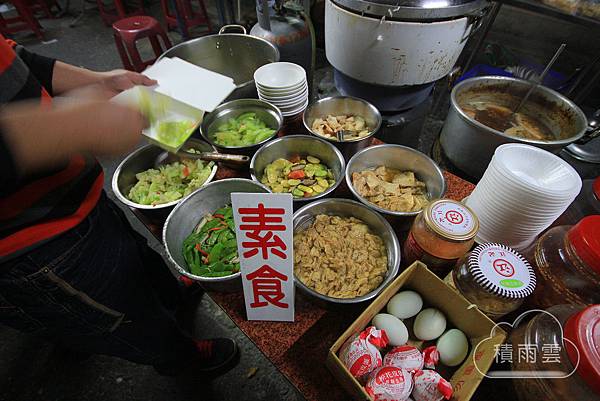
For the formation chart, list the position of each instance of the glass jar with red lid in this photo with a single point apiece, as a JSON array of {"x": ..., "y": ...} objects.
[
  {"x": 566, "y": 260},
  {"x": 443, "y": 232},
  {"x": 563, "y": 358}
]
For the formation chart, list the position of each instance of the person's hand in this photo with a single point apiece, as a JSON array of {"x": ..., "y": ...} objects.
[
  {"x": 118, "y": 128},
  {"x": 117, "y": 81}
]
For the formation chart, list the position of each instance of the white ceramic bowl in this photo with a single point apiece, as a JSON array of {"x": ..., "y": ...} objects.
[
  {"x": 283, "y": 99},
  {"x": 280, "y": 75},
  {"x": 282, "y": 92}
]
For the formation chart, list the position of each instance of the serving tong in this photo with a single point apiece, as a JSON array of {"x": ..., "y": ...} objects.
[{"x": 168, "y": 157}]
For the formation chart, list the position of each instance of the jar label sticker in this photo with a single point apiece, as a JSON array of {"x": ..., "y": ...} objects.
[
  {"x": 504, "y": 269},
  {"x": 453, "y": 218}
]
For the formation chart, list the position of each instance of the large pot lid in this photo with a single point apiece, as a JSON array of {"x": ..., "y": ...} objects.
[{"x": 414, "y": 9}]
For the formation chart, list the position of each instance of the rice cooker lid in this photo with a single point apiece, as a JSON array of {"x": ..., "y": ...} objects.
[{"x": 415, "y": 9}]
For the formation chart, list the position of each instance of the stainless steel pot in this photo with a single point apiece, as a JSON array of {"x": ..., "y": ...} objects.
[
  {"x": 292, "y": 145},
  {"x": 143, "y": 159},
  {"x": 304, "y": 217},
  {"x": 470, "y": 145},
  {"x": 184, "y": 218},
  {"x": 232, "y": 54},
  {"x": 265, "y": 111},
  {"x": 344, "y": 105}
]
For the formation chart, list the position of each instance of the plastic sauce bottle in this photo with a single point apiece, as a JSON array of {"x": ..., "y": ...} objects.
[
  {"x": 441, "y": 234},
  {"x": 563, "y": 340},
  {"x": 566, "y": 260}
]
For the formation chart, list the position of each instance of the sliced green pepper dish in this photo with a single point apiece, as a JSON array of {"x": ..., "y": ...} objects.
[
  {"x": 302, "y": 177},
  {"x": 211, "y": 249}
]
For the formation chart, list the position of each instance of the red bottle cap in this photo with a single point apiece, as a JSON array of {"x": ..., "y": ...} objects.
[
  {"x": 583, "y": 328},
  {"x": 585, "y": 239},
  {"x": 596, "y": 187}
]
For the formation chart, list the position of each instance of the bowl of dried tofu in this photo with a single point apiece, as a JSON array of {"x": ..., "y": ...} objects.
[{"x": 394, "y": 180}]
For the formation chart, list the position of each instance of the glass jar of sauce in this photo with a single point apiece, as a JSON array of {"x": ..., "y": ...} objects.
[
  {"x": 494, "y": 277},
  {"x": 565, "y": 340},
  {"x": 441, "y": 234},
  {"x": 567, "y": 263}
]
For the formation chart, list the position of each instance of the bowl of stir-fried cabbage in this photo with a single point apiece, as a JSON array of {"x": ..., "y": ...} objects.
[
  {"x": 138, "y": 183},
  {"x": 241, "y": 126}
]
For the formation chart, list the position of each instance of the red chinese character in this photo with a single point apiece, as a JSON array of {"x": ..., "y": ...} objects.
[
  {"x": 264, "y": 219},
  {"x": 266, "y": 284},
  {"x": 478, "y": 355},
  {"x": 469, "y": 369}
]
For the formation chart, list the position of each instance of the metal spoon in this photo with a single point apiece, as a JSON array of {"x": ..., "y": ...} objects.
[
  {"x": 167, "y": 157},
  {"x": 540, "y": 79}
]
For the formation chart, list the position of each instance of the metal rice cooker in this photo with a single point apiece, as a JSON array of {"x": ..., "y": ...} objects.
[{"x": 399, "y": 42}]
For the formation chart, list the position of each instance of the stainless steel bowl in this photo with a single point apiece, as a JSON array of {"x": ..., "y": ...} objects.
[
  {"x": 470, "y": 145},
  {"x": 344, "y": 105},
  {"x": 231, "y": 54},
  {"x": 292, "y": 145},
  {"x": 304, "y": 217},
  {"x": 143, "y": 159},
  {"x": 401, "y": 158},
  {"x": 264, "y": 110},
  {"x": 184, "y": 218}
]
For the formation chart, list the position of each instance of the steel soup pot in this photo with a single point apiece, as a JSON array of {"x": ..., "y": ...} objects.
[
  {"x": 235, "y": 55},
  {"x": 470, "y": 145}
]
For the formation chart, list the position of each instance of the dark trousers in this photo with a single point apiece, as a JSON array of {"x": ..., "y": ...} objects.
[{"x": 98, "y": 288}]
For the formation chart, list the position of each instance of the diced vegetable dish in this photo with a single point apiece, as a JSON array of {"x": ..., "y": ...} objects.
[
  {"x": 302, "y": 177},
  {"x": 170, "y": 182},
  {"x": 245, "y": 130},
  {"x": 211, "y": 249}
]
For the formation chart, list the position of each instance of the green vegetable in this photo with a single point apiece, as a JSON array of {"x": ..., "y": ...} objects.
[
  {"x": 174, "y": 133},
  {"x": 211, "y": 249},
  {"x": 245, "y": 130},
  {"x": 170, "y": 182}
]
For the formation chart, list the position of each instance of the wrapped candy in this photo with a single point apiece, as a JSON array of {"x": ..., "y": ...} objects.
[
  {"x": 360, "y": 354},
  {"x": 389, "y": 383},
  {"x": 430, "y": 386},
  {"x": 431, "y": 357},
  {"x": 405, "y": 357}
]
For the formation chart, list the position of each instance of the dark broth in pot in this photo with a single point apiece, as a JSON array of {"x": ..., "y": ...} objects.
[{"x": 502, "y": 119}]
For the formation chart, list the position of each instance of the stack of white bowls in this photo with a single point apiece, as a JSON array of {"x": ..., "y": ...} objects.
[
  {"x": 522, "y": 192},
  {"x": 283, "y": 85}
]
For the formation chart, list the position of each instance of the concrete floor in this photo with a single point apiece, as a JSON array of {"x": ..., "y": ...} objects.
[{"x": 32, "y": 370}]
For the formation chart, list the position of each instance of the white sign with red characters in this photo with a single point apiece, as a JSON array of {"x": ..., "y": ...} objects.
[{"x": 264, "y": 231}]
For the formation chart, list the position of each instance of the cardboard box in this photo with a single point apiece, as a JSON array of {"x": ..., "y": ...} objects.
[{"x": 484, "y": 336}]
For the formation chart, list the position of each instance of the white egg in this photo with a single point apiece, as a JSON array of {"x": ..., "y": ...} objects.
[
  {"x": 405, "y": 304},
  {"x": 453, "y": 347},
  {"x": 394, "y": 328},
  {"x": 429, "y": 324}
]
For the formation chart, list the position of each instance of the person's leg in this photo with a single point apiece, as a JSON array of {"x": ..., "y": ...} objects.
[{"x": 94, "y": 289}]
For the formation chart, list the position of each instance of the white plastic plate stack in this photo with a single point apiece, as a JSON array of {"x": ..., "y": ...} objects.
[
  {"x": 522, "y": 192},
  {"x": 283, "y": 85}
]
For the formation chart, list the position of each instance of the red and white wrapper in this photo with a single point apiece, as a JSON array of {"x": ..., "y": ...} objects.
[
  {"x": 389, "y": 383},
  {"x": 430, "y": 386},
  {"x": 405, "y": 357},
  {"x": 360, "y": 354},
  {"x": 431, "y": 357}
]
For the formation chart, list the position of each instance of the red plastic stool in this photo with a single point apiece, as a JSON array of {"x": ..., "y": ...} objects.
[
  {"x": 118, "y": 10},
  {"x": 191, "y": 17},
  {"x": 24, "y": 21},
  {"x": 127, "y": 31}
]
